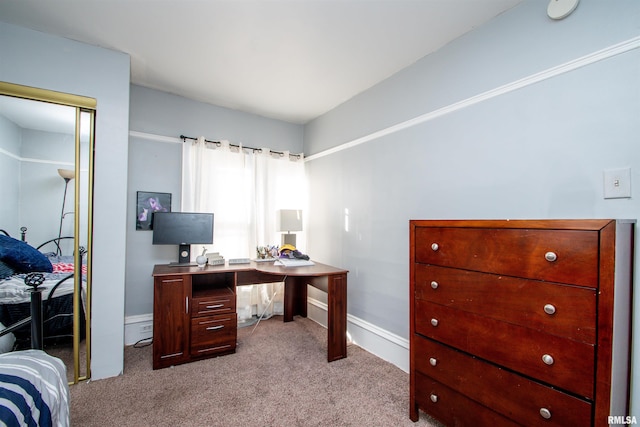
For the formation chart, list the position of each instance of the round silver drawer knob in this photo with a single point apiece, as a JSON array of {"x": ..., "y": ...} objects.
[
  {"x": 433, "y": 361},
  {"x": 550, "y": 256},
  {"x": 547, "y": 359},
  {"x": 433, "y": 398},
  {"x": 435, "y": 247},
  {"x": 545, "y": 413},
  {"x": 434, "y": 322},
  {"x": 550, "y": 309},
  {"x": 434, "y": 284}
]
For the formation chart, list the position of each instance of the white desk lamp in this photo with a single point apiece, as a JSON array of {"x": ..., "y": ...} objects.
[{"x": 289, "y": 220}]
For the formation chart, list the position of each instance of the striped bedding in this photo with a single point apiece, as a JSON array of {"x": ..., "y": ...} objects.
[
  {"x": 14, "y": 291},
  {"x": 15, "y": 297},
  {"x": 33, "y": 390}
]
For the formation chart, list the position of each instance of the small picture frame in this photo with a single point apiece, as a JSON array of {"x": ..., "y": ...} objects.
[{"x": 147, "y": 203}]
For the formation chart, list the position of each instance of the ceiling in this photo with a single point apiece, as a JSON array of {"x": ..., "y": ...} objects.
[{"x": 290, "y": 60}]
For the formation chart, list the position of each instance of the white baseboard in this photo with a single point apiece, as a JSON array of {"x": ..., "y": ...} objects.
[
  {"x": 375, "y": 340},
  {"x": 137, "y": 328}
]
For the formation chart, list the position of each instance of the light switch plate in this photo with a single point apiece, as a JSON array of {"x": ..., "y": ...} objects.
[{"x": 617, "y": 183}]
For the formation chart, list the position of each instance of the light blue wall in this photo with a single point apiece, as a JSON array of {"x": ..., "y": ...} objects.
[
  {"x": 42, "y": 189},
  {"x": 32, "y": 191},
  {"x": 10, "y": 139},
  {"x": 36, "y": 59},
  {"x": 535, "y": 152},
  {"x": 156, "y": 166}
]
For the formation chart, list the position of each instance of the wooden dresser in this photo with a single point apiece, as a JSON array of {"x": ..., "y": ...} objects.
[{"x": 520, "y": 322}]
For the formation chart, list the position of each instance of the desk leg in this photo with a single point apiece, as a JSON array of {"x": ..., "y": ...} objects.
[
  {"x": 295, "y": 304},
  {"x": 337, "y": 317},
  {"x": 295, "y": 298}
]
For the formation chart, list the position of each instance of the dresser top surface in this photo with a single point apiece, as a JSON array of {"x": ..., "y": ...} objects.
[{"x": 564, "y": 224}]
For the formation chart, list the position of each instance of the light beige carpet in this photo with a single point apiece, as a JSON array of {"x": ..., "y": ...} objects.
[{"x": 278, "y": 376}]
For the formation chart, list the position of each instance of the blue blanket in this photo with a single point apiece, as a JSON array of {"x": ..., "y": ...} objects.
[{"x": 33, "y": 390}]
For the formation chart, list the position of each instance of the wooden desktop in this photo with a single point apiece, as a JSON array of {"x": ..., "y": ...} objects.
[{"x": 194, "y": 309}]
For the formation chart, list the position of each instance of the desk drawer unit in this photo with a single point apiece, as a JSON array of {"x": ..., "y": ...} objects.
[
  {"x": 513, "y": 321},
  {"x": 213, "y": 334},
  {"x": 222, "y": 301},
  {"x": 194, "y": 316},
  {"x": 214, "y": 323}
]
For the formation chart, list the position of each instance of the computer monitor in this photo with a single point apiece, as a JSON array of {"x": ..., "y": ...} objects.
[{"x": 183, "y": 229}]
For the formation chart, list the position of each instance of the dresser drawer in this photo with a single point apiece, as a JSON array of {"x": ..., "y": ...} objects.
[
  {"x": 562, "y": 310},
  {"x": 213, "y": 334},
  {"x": 510, "y": 394},
  {"x": 513, "y": 252},
  {"x": 219, "y": 301},
  {"x": 453, "y": 408},
  {"x": 515, "y": 347}
]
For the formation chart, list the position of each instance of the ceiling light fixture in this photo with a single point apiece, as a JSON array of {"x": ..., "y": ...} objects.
[{"x": 560, "y": 9}]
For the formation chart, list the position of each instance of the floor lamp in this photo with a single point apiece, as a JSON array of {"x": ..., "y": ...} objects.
[{"x": 67, "y": 175}]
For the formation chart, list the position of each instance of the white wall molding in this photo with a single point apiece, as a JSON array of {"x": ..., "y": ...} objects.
[
  {"x": 154, "y": 137},
  {"x": 8, "y": 154},
  {"x": 136, "y": 328},
  {"x": 549, "y": 73},
  {"x": 382, "y": 343},
  {"x": 30, "y": 160}
]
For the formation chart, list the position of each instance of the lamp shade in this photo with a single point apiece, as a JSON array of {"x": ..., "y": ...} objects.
[
  {"x": 66, "y": 173},
  {"x": 289, "y": 220}
]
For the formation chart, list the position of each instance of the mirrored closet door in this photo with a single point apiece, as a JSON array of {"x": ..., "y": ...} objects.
[{"x": 46, "y": 167}]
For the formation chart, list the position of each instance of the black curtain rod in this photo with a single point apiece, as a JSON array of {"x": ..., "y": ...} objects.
[{"x": 218, "y": 143}]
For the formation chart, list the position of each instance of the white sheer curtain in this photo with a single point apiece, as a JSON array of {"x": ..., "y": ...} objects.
[{"x": 243, "y": 189}]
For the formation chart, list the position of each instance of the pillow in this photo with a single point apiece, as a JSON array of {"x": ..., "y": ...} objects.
[
  {"x": 7, "y": 341},
  {"x": 22, "y": 257},
  {"x": 5, "y": 270}
]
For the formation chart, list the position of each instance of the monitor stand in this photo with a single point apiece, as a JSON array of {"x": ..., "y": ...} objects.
[
  {"x": 184, "y": 254},
  {"x": 182, "y": 264},
  {"x": 184, "y": 257}
]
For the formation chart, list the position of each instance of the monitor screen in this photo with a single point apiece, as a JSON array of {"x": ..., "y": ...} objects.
[{"x": 182, "y": 228}]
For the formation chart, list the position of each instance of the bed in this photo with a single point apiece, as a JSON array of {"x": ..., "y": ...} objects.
[
  {"x": 17, "y": 260},
  {"x": 33, "y": 389},
  {"x": 33, "y": 385}
]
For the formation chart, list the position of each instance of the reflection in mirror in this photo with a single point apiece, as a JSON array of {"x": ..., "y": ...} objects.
[{"x": 46, "y": 158}]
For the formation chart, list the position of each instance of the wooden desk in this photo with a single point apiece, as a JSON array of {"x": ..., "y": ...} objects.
[{"x": 194, "y": 308}]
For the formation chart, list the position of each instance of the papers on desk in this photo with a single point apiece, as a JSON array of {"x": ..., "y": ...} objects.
[
  {"x": 264, "y": 259},
  {"x": 293, "y": 262}
]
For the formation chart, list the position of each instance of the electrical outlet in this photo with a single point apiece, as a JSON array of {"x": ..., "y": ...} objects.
[
  {"x": 617, "y": 183},
  {"x": 146, "y": 328}
]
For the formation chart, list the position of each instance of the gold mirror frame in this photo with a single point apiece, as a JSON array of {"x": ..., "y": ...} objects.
[{"x": 82, "y": 105}]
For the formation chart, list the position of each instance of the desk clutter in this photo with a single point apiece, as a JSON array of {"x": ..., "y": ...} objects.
[
  {"x": 285, "y": 256},
  {"x": 293, "y": 262},
  {"x": 215, "y": 258}
]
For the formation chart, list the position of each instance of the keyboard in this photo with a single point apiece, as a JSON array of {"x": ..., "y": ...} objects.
[
  {"x": 183, "y": 264},
  {"x": 293, "y": 262},
  {"x": 234, "y": 261},
  {"x": 264, "y": 259}
]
